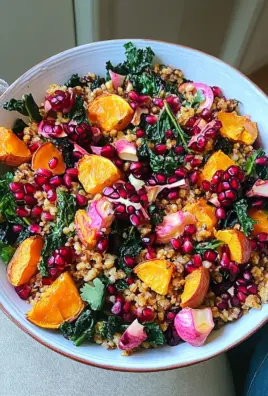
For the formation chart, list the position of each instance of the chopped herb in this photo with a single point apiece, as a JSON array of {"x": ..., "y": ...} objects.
[
  {"x": 224, "y": 145},
  {"x": 6, "y": 252},
  {"x": 121, "y": 285},
  {"x": 181, "y": 134},
  {"x": 26, "y": 106},
  {"x": 19, "y": 126},
  {"x": 203, "y": 246},
  {"x": 56, "y": 237},
  {"x": 156, "y": 215},
  {"x": 78, "y": 112},
  {"x": 131, "y": 246},
  {"x": 73, "y": 81},
  {"x": 109, "y": 327},
  {"x": 155, "y": 335},
  {"x": 241, "y": 209},
  {"x": 94, "y": 295},
  {"x": 81, "y": 330}
]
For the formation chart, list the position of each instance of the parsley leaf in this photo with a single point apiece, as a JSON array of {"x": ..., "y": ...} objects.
[
  {"x": 56, "y": 237},
  {"x": 203, "y": 246},
  {"x": 154, "y": 334},
  {"x": 198, "y": 98},
  {"x": 94, "y": 295},
  {"x": 26, "y": 106},
  {"x": 108, "y": 328},
  {"x": 241, "y": 209},
  {"x": 131, "y": 246},
  {"x": 80, "y": 330},
  {"x": 156, "y": 215},
  {"x": 6, "y": 252}
]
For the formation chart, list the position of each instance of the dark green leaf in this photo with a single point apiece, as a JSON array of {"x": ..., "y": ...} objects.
[
  {"x": 203, "y": 246},
  {"x": 6, "y": 252},
  {"x": 143, "y": 149},
  {"x": 154, "y": 334},
  {"x": 108, "y": 328},
  {"x": 66, "y": 148},
  {"x": 167, "y": 163},
  {"x": 16, "y": 105},
  {"x": 7, "y": 201},
  {"x": 26, "y": 106},
  {"x": 138, "y": 59},
  {"x": 224, "y": 145},
  {"x": 131, "y": 246},
  {"x": 74, "y": 81},
  {"x": 78, "y": 112},
  {"x": 254, "y": 170},
  {"x": 24, "y": 234},
  {"x": 181, "y": 134},
  {"x": 241, "y": 209},
  {"x": 94, "y": 295},
  {"x": 97, "y": 83},
  {"x": 19, "y": 126},
  {"x": 197, "y": 99},
  {"x": 56, "y": 237},
  {"x": 81, "y": 330},
  {"x": 156, "y": 215},
  {"x": 121, "y": 285}
]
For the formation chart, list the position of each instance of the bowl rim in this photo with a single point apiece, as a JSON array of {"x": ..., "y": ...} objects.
[{"x": 75, "y": 357}]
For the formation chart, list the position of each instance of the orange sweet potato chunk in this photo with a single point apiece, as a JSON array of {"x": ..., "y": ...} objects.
[
  {"x": 96, "y": 172},
  {"x": 23, "y": 264},
  {"x": 86, "y": 234},
  {"x": 204, "y": 213},
  {"x": 156, "y": 274},
  {"x": 195, "y": 288},
  {"x": 110, "y": 112},
  {"x": 13, "y": 151},
  {"x": 238, "y": 128},
  {"x": 261, "y": 218},
  {"x": 217, "y": 161},
  {"x": 44, "y": 154},
  {"x": 59, "y": 303},
  {"x": 238, "y": 243}
]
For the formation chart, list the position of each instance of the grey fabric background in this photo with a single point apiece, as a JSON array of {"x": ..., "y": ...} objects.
[{"x": 30, "y": 369}]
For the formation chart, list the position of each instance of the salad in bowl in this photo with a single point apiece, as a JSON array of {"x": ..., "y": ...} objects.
[{"x": 134, "y": 207}]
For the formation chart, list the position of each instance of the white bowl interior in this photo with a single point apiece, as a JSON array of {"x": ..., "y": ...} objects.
[{"x": 198, "y": 67}]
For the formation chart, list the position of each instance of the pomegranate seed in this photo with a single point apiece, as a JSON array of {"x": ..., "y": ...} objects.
[
  {"x": 225, "y": 296},
  {"x": 195, "y": 162},
  {"x": 108, "y": 191},
  {"x": 201, "y": 142},
  {"x": 189, "y": 267},
  {"x": 211, "y": 133},
  {"x": 16, "y": 186},
  {"x": 147, "y": 315},
  {"x": 234, "y": 183},
  {"x": 40, "y": 180},
  {"x": 53, "y": 272},
  {"x": 241, "y": 296},
  {"x": 73, "y": 172},
  {"x": 176, "y": 243},
  {"x": 160, "y": 149},
  {"x": 59, "y": 260},
  {"x": 129, "y": 261},
  {"x": 67, "y": 180},
  {"x": 217, "y": 91},
  {"x": 77, "y": 154},
  {"x": 108, "y": 151},
  {"x": 121, "y": 208},
  {"x": 220, "y": 213},
  {"x": 206, "y": 185},
  {"x": 22, "y": 212},
  {"x": 130, "y": 281},
  {"x": 190, "y": 123},
  {"x": 206, "y": 114},
  {"x": 140, "y": 133},
  {"x": 210, "y": 255},
  {"x": 133, "y": 96},
  {"x": 44, "y": 172},
  {"x": 131, "y": 209},
  {"x": 81, "y": 200},
  {"x": 262, "y": 237},
  {"x": 47, "y": 216},
  {"x": 23, "y": 291},
  {"x": 241, "y": 176},
  {"x": 56, "y": 181},
  {"x": 17, "y": 228},
  {"x": 194, "y": 177},
  {"x": 111, "y": 289},
  {"x": 173, "y": 195},
  {"x": 197, "y": 260},
  {"x": 51, "y": 195},
  {"x": 225, "y": 262},
  {"x": 170, "y": 316},
  {"x": 240, "y": 282},
  {"x": 181, "y": 172},
  {"x": 134, "y": 220},
  {"x": 196, "y": 130},
  {"x": 116, "y": 308},
  {"x": 35, "y": 228},
  {"x": 46, "y": 187},
  {"x": 151, "y": 254},
  {"x": 33, "y": 147},
  {"x": 242, "y": 289},
  {"x": 233, "y": 270},
  {"x": 247, "y": 276},
  {"x": 187, "y": 247},
  {"x": 151, "y": 119},
  {"x": 230, "y": 194},
  {"x": 149, "y": 239},
  {"x": 169, "y": 134},
  {"x": 120, "y": 299},
  {"x": 252, "y": 289},
  {"x": 102, "y": 245},
  {"x": 53, "y": 163},
  {"x": 179, "y": 150},
  {"x": 222, "y": 305},
  {"x": 190, "y": 229},
  {"x": 262, "y": 161},
  {"x": 19, "y": 195},
  {"x": 158, "y": 102},
  {"x": 36, "y": 211},
  {"x": 127, "y": 307},
  {"x": 217, "y": 124},
  {"x": 161, "y": 179},
  {"x": 29, "y": 188},
  {"x": 188, "y": 157},
  {"x": 233, "y": 170},
  {"x": 235, "y": 301}
]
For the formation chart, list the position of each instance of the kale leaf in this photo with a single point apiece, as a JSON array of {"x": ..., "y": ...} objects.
[
  {"x": 167, "y": 163},
  {"x": 110, "y": 326},
  {"x": 182, "y": 136},
  {"x": 121, "y": 285},
  {"x": 56, "y": 237},
  {"x": 155, "y": 335},
  {"x": 94, "y": 294},
  {"x": 121, "y": 68},
  {"x": 26, "y": 106},
  {"x": 241, "y": 210},
  {"x": 97, "y": 83},
  {"x": 19, "y": 126},
  {"x": 66, "y": 148},
  {"x": 6, "y": 252},
  {"x": 24, "y": 234},
  {"x": 255, "y": 170},
  {"x": 156, "y": 215},
  {"x": 74, "y": 81},
  {"x": 203, "y": 246},
  {"x": 8, "y": 203},
  {"x": 81, "y": 330},
  {"x": 143, "y": 149},
  {"x": 223, "y": 144},
  {"x": 131, "y": 246},
  {"x": 78, "y": 112}
]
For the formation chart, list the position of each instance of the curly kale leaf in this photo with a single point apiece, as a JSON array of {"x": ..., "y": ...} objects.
[
  {"x": 78, "y": 112},
  {"x": 56, "y": 237},
  {"x": 255, "y": 170},
  {"x": 131, "y": 246},
  {"x": 155, "y": 335},
  {"x": 203, "y": 246},
  {"x": 224, "y": 145},
  {"x": 19, "y": 126},
  {"x": 121, "y": 285},
  {"x": 241, "y": 209},
  {"x": 156, "y": 215},
  {"x": 26, "y": 106},
  {"x": 6, "y": 252},
  {"x": 74, "y": 81},
  {"x": 166, "y": 164},
  {"x": 110, "y": 326},
  {"x": 81, "y": 330},
  {"x": 97, "y": 83},
  {"x": 8, "y": 203}
]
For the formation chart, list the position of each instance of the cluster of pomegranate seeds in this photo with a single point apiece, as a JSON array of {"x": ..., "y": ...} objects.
[
  {"x": 139, "y": 170},
  {"x": 226, "y": 184},
  {"x": 60, "y": 259},
  {"x": 49, "y": 127},
  {"x": 61, "y": 101},
  {"x": 145, "y": 314},
  {"x": 128, "y": 203},
  {"x": 174, "y": 103},
  {"x": 23, "y": 291}
]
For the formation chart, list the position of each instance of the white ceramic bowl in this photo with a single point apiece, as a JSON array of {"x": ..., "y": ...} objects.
[{"x": 198, "y": 67}]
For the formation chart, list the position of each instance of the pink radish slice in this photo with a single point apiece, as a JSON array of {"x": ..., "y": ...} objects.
[
  {"x": 206, "y": 91},
  {"x": 117, "y": 79}
]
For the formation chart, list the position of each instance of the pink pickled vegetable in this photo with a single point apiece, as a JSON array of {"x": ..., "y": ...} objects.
[
  {"x": 101, "y": 214},
  {"x": 206, "y": 91},
  {"x": 126, "y": 150},
  {"x": 134, "y": 335},
  {"x": 173, "y": 225},
  {"x": 117, "y": 79},
  {"x": 259, "y": 189}
]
